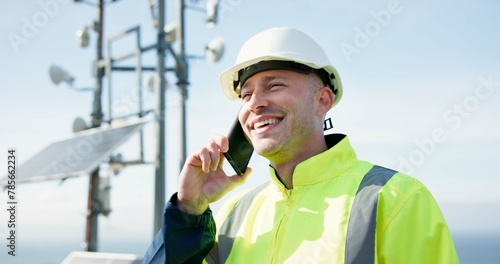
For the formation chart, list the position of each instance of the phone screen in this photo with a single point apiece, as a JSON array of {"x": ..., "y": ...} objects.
[{"x": 240, "y": 149}]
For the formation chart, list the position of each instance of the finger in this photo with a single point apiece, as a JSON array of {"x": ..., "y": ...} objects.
[
  {"x": 214, "y": 152},
  {"x": 206, "y": 160},
  {"x": 222, "y": 142},
  {"x": 247, "y": 173},
  {"x": 210, "y": 157},
  {"x": 218, "y": 144},
  {"x": 240, "y": 179},
  {"x": 221, "y": 160}
]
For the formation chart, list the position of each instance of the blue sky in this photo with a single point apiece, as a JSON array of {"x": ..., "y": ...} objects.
[{"x": 422, "y": 92}]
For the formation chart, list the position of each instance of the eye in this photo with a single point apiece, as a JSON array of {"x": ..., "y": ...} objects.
[
  {"x": 274, "y": 85},
  {"x": 246, "y": 96}
]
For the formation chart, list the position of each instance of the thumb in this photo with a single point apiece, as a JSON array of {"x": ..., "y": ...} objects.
[{"x": 240, "y": 179}]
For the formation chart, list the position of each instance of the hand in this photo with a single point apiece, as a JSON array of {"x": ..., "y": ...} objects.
[{"x": 202, "y": 180}]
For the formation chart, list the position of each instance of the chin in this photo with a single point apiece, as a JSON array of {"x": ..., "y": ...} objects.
[{"x": 266, "y": 148}]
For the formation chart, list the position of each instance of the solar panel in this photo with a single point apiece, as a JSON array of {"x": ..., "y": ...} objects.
[
  {"x": 76, "y": 156},
  {"x": 78, "y": 257}
]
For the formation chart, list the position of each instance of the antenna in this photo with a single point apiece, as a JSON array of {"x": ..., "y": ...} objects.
[
  {"x": 215, "y": 50},
  {"x": 57, "y": 75},
  {"x": 212, "y": 7},
  {"x": 79, "y": 125}
]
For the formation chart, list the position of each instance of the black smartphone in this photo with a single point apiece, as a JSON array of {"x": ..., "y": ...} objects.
[{"x": 240, "y": 149}]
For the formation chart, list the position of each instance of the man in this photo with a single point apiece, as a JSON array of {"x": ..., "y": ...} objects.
[{"x": 322, "y": 204}]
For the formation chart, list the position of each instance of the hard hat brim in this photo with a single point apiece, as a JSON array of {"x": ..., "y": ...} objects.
[{"x": 229, "y": 77}]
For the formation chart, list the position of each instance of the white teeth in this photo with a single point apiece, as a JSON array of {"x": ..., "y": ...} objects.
[{"x": 269, "y": 121}]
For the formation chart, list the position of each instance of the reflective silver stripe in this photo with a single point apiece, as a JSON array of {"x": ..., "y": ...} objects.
[
  {"x": 231, "y": 225},
  {"x": 360, "y": 240}
]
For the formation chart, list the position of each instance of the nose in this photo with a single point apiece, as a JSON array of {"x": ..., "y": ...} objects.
[{"x": 257, "y": 101}]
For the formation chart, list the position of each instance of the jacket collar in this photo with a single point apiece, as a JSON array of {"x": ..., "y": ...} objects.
[{"x": 324, "y": 166}]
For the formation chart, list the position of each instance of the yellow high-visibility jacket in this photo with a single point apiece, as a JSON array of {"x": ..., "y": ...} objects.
[
  {"x": 315, "y": 221},
  {"x": 309, "y": 223}
]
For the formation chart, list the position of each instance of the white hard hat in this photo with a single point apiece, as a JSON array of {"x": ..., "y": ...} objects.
[{"x": 279, "y": 48}]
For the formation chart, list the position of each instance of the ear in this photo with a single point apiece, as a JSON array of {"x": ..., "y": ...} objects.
[{"x": 324, "y": 97}]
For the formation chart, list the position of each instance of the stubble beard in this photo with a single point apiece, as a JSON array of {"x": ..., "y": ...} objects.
[{"x": 292, "y": 137}]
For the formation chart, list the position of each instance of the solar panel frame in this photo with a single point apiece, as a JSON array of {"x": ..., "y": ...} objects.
[{"x": 78, "y": 155}]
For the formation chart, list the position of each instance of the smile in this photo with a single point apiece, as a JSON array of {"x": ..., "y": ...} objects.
[{"x": 266, "y": 122}]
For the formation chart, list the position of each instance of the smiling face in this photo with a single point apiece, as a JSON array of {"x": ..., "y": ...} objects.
[{"x": 282, "y": 113}]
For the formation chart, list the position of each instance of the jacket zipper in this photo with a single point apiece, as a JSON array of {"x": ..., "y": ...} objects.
[{"x": 279, "y": 236}]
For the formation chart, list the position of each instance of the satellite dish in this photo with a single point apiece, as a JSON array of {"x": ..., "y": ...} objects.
[
  {"x": 79, "y": 125},
  {"x": 57, "y": 75},
  {"x": 171, "y": 32},
  {"x": 215, "y": 50}
]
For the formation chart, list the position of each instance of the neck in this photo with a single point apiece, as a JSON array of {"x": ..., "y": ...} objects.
[{"x": 285, "y": 167}]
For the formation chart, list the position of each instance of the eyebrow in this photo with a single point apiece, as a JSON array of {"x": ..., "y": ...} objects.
[{"x": 266, "y": 79}]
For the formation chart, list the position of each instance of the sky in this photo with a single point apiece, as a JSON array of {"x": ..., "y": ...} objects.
[{"x": 421, "y": 95}]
